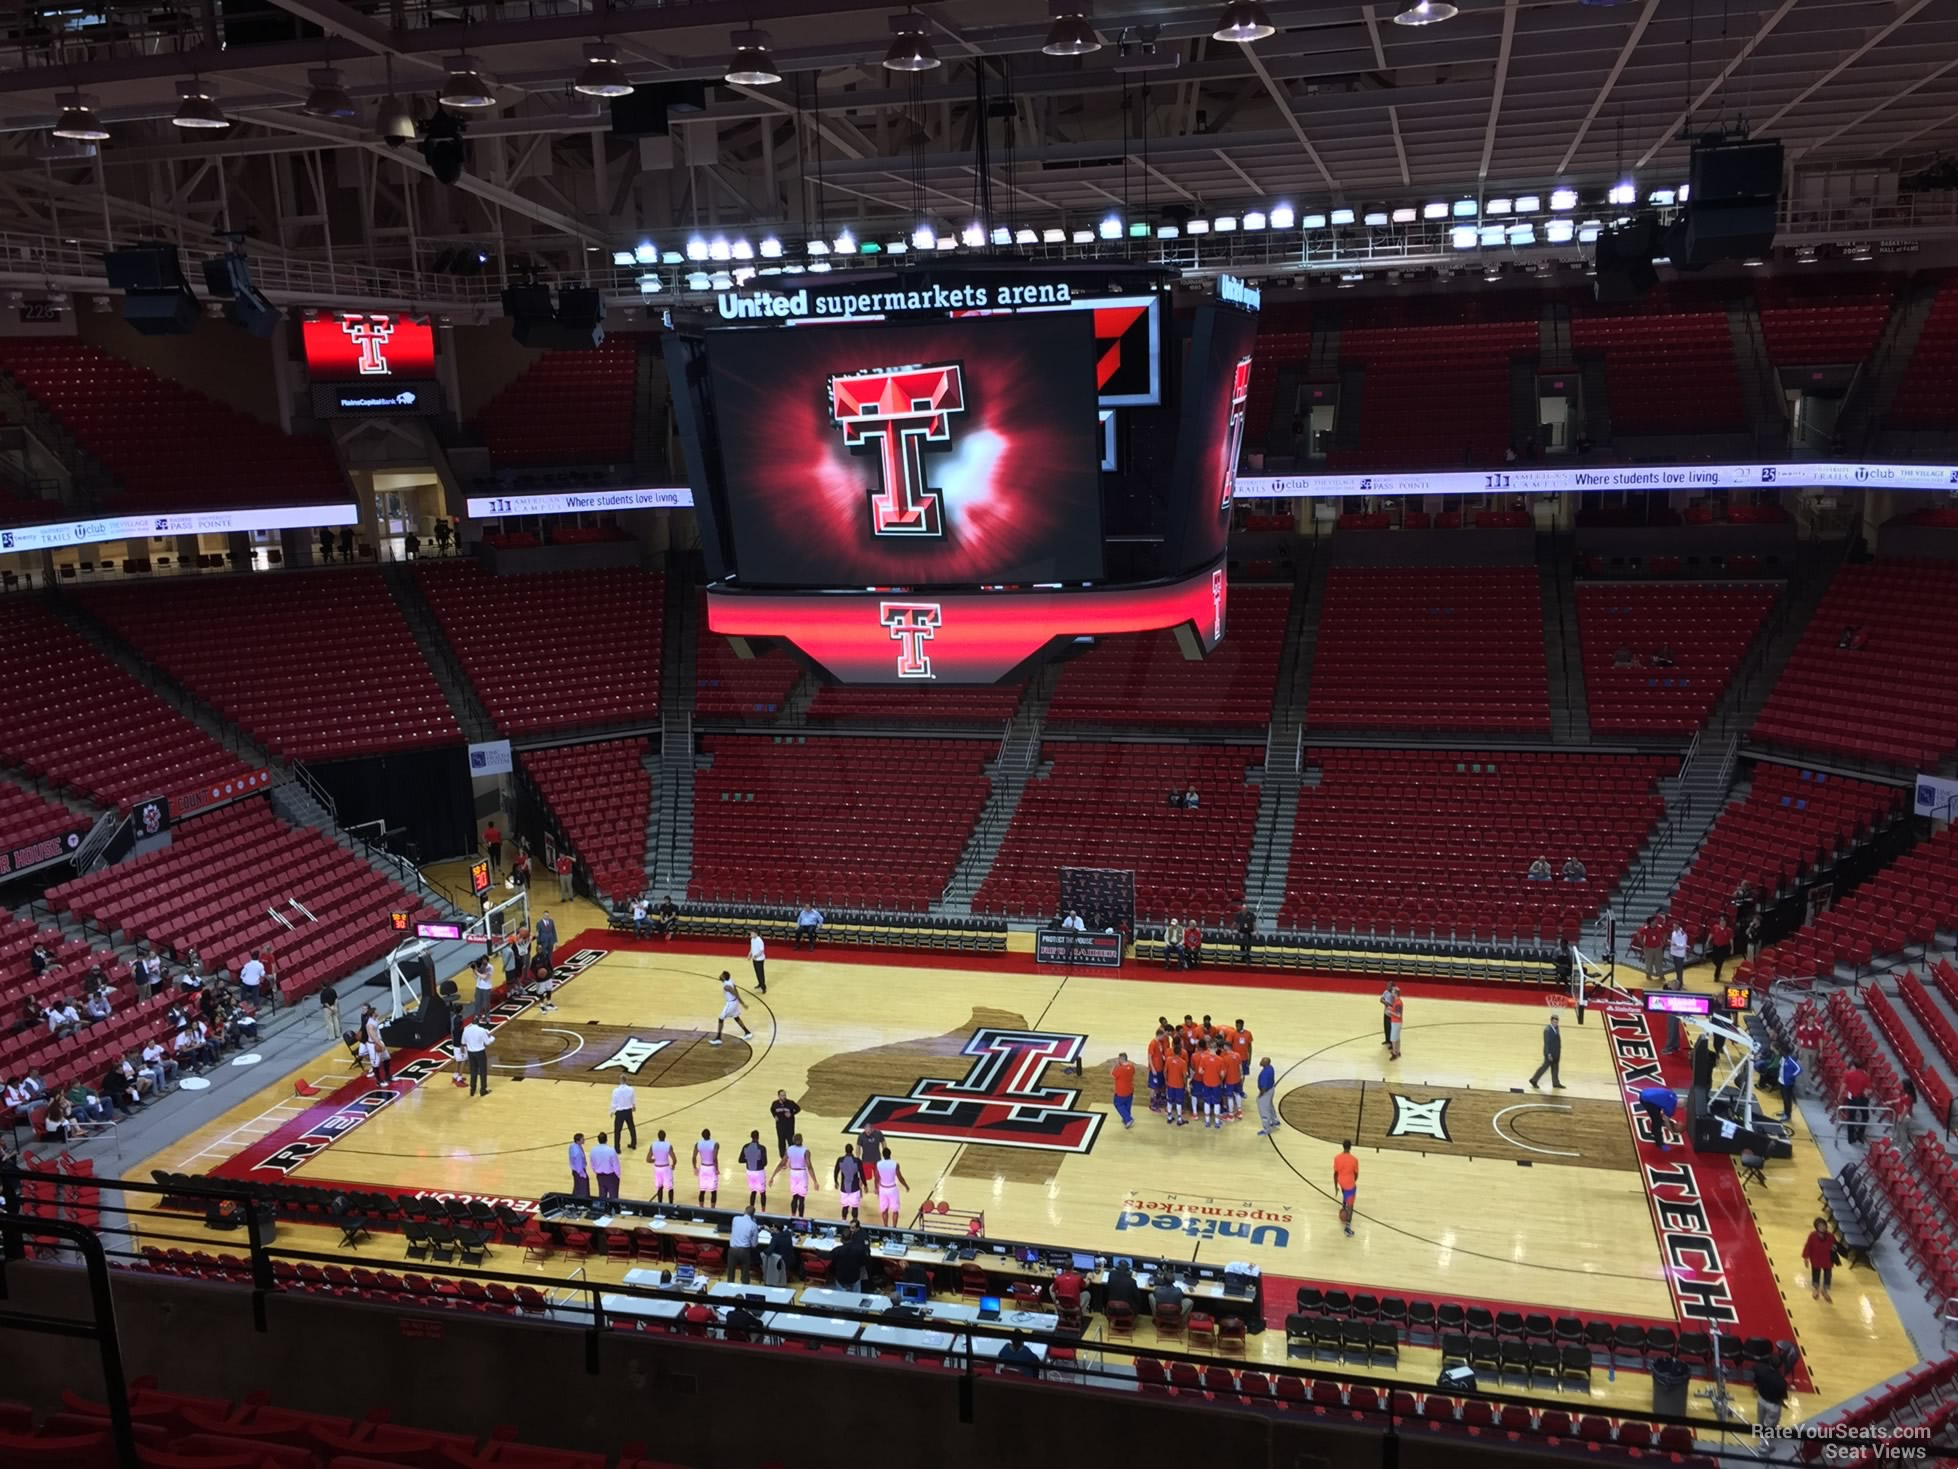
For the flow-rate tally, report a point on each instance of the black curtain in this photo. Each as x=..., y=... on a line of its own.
x=426, y=793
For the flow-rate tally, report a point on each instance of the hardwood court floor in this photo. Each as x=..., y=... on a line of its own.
x=1471, y=1186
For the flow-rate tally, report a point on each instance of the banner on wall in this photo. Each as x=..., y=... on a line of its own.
x=38, y=854
x=1937, y=797
x=150, y=818
x=492, y=757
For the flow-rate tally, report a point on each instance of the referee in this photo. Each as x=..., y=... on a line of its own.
x=475, y=1048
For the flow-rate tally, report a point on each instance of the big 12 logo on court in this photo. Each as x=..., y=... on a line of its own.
x=900, y=410
x=1002, y=1101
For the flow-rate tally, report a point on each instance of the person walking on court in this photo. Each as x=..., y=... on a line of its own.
x=580, y=1168
x=1267, y=1098
x=1121, y=1078
x=1394, y=1013
x=848, y=1178
x=1346, y=1179
x=660, y=1155
x=754, y=1159
x=784, y=1112
x=1676, y=947
x=890, y=1179
x=543, y=941
x=1819, y=1254
x=1553, y=1055
x=730, y=1010
x=707, y=1168
x=475, y=1050
x=605, y=1166
x=624, y=1099
x=795, y=1158
x=1389, y=1002
x=758, y=956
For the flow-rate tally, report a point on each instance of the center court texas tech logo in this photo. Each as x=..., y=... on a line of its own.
x=1002, y=1101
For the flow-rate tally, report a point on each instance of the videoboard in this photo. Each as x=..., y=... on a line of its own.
x=378, y=363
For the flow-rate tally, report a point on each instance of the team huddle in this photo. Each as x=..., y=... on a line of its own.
x=1199, y=1068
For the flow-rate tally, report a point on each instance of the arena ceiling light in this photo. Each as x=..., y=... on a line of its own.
x=1244, y=21
x=1405, y=216
x=1282, y=217
x=1224, y=223
x=1559, y=231
x=1528, y=203
x=646, y=254
x=696, y=248
x=1111, y=227
x=910, y=46
x=1053, y=236
x=1465, y=209
x=328, y=95
x=78, y=121
x=817, y=247
x=1426, y=13
x=1563, y=198
x=973, y=236
x=1497, y=206
x=1254, y=219
x=922, y=238
x=603, y=76
x=1342, y=216
x=1084, y=237
x=719, y=249
x=742, y=250
x=394, y=124
x=465, y=85
x=1625, y=192
x=626, y=257
x=1196, y=227
x=1462, y=237
x=752, y=65
x=198, y=107
x=1167, y=232
x=1315, y=221
x=771, y=248
x=1025, y=236
x=1003, y=234
x=845, y=243
x=1433, y=210
x=1376, y=219
x=650, y=284
x=1072, y=33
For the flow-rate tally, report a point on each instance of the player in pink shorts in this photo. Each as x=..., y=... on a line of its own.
x=707, y=1168
x=795, y=1158
x=660, y=1155
x=848, y=1178
x=754, y=1158
x=890, y=1178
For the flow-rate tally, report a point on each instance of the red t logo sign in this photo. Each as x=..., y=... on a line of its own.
x=370, y=334
x=1234, y=435
x=1003, y=1100
x=1217, y=605
x=912, y=625
x=902, y=409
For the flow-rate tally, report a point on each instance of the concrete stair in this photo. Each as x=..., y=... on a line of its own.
x=1563, y=649
x=1271, y=840
x=435, y=651
x=1015, y=765
x=1875, y=388
x=670, y=835
x=1767, y=411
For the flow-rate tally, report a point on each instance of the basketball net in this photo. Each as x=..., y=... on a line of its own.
x=1591, y=985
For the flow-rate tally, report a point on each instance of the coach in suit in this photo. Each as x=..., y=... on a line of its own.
x=1553, y=1053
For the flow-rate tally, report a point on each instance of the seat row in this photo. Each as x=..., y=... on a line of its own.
x=567, y=408
x=1903, y=905
x=1657, y=657
x=601, y=795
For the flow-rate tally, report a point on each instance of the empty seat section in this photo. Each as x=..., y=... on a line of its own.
x=601, y=795
x=848, y=823
x=1657, y=657
x=75, y=719
x=1883, y=644
x=1450, y=647
x=991, y=704
x=218, y=885
x=1904, y=904
x=1790, y=821
x=1437, y=381
x=566, y=408
x=1669, y=362
x=557, y=650
x=1929, y=385
x=727, y=687
x=1107, y=805
x=1143, y=678
x=1427, y=843
x=313, y=665
x=1809, y=323
x=170, y=447
x=1284, y=340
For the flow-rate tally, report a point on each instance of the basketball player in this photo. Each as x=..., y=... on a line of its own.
x=795, y=1158
x=707, y=1168
x=1242, y=1045
x=1158, y=1053
x=1233, y=1084
x=754, y=1158
x=1123, y=1079
x=1346, y=1178
x=848, y=1178
x=1209, y=1067
x=730, y=1010
x=1176, y=1071
x=1394, y=1012
x=660, y=1155
x=890, y=1179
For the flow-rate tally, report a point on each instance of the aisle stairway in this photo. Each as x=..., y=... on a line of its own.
x=1016, y=765
x=441, y=659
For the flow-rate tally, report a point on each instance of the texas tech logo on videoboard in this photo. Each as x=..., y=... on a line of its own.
x=898, y=411
x=370, y=334
x=1234, y=436
x=1002, y=1101
x=912, y=625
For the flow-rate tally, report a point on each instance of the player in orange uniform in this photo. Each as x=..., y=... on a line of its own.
x=1209, y=1067
x=1176, y=1072
x=1158, y=1053
x=1123, y=1077
x=1346, y=1178
x=1233, y=1084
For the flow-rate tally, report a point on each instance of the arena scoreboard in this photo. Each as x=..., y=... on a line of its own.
x=941, y=475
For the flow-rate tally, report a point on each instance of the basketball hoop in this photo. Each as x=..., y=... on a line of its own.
x=1558, y=1000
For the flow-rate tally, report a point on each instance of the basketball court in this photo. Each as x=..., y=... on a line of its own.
x=1473, y=1186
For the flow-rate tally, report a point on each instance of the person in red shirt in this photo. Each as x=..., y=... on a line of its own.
x=563, y=867
x=1855, y=1099
x=1192, y=946
x=1068, y=1288
x=1122, y=1076
x=1209, y=1066
x=1819, y=1254
x=1176, y=1071
x=493, y=847
x=1720, y=945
